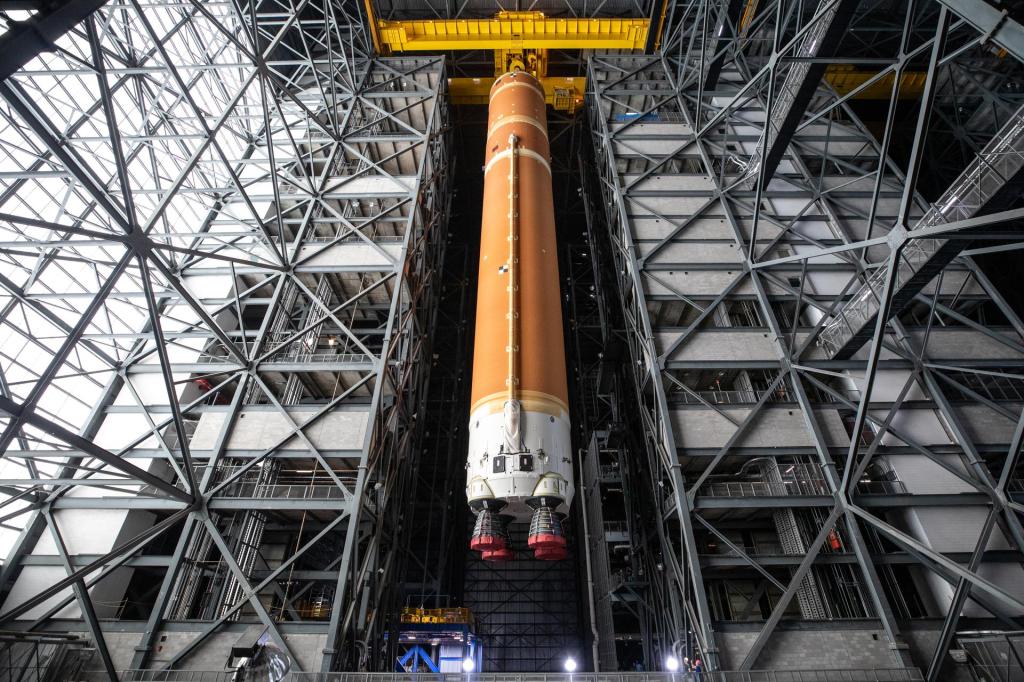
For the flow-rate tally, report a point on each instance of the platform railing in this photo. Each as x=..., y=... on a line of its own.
x=837, y=675
x=999, y=162
x=812, y=486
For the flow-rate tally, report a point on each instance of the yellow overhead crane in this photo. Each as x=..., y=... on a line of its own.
x=513, y=32
x=521, y=40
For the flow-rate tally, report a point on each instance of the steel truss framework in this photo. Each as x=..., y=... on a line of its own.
x=431, y=572
x=220, y=225
x=618, y=526
x=704, y=232
x=438, y=521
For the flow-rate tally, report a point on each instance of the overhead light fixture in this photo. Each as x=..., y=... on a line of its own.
x=672, y=664
x=570, y=665
x=468, y=665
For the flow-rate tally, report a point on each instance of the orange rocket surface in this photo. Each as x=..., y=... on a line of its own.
x=519, y=462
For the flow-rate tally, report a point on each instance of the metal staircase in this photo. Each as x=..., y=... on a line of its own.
x=792, y=543
x=600, y=571
x=991, y=183
x=819, y=42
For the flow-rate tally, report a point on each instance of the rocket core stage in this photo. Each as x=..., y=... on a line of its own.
x=519, y=464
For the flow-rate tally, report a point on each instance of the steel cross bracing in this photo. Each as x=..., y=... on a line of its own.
x=430, y=573
x=220, y=225
x=901, y=455
x=976, y=87
x=594, y=411
x=525, y=610
x=628, y=603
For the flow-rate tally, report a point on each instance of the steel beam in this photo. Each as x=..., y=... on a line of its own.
x=140, y=190
x=26, y=40
x=994, y=24
x=820, y=42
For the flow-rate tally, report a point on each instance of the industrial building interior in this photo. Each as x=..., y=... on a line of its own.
x=240, y=340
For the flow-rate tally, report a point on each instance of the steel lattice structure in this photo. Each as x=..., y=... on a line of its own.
x=220, y=226
x=801, y=318
x=225, y=227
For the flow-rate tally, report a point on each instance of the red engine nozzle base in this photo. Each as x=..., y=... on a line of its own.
x=487, y=543
x=547, y=539
x=551, y=553
x=503, y=554
x=488, y=534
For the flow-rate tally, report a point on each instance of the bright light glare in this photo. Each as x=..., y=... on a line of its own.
x=468, y=665
x=570, y=665
x=671, y=664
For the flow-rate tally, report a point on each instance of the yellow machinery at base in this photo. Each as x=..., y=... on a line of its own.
x=563, y=93
x=450, y=616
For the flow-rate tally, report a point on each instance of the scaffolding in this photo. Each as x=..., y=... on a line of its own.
x=221, y=226
x=743, y=215
x=221, y=397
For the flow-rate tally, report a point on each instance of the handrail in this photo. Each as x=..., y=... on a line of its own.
x=818, y=675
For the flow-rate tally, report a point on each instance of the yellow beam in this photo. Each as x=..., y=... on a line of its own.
x=374, y=35
x=661, y=25
x=847, y=78
x=514, y=33
x=748, y=15
x=562, y=93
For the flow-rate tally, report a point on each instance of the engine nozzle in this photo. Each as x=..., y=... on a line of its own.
x=547, y=539
x=488, y=535
x=505, y=554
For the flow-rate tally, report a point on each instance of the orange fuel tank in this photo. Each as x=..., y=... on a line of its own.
x=520, y=456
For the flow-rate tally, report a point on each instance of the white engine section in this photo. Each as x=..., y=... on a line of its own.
x=517, y=454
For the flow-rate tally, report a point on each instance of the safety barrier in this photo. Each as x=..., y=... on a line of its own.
x=839, y=675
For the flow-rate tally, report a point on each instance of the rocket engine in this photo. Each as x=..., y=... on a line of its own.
x=519, y=464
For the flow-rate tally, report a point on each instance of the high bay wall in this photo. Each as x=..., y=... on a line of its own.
x=225, y=234
x=835, y=484
x=221, y=231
